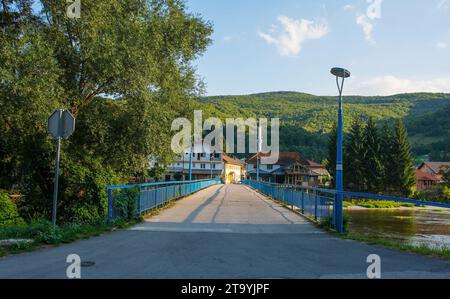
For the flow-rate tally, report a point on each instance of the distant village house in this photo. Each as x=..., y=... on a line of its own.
x=291, y=168
x=429, y=174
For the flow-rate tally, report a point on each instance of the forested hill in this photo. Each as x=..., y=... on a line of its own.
x=306, y=119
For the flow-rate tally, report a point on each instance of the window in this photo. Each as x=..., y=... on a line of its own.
x=269, y=167
x=203, y=166
x=213, y=166
x=217, y=156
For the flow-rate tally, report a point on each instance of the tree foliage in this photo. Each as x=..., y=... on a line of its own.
x=124, y=69
x=376, y=159
x=354, y=157
x=404, y=177
x=306, y=120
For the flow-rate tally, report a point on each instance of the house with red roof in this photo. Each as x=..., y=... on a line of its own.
x=425, y=180
x=291, y=168
x=430, y=174
x=435, y=168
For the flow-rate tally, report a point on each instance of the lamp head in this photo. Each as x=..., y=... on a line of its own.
x=340, y=72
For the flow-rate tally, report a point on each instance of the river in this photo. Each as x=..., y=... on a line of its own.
x=415, y=226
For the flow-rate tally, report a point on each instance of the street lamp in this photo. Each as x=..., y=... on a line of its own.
x=211, y=155
x=339, y=73
x=190, y=164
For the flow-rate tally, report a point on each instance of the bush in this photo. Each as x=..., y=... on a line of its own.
x=327, y=222
x=125, y=203
x=8, y=211
x=85, y=199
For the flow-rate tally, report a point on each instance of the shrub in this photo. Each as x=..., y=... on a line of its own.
x=125, y=203
x=327, y=222
x=8, y=211
x=85, y=199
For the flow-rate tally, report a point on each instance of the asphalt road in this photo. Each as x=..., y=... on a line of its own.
x=222, y=232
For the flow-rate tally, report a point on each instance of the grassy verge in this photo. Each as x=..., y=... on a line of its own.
x=44, y=234
x=440, y=252
x=378, y=204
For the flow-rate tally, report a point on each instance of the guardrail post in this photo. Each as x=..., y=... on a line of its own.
x=334, y=210
x=139, y=203
x=315, y=205
x=303, y=201
x=109, y=206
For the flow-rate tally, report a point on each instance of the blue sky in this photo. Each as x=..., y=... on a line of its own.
x=390, y=46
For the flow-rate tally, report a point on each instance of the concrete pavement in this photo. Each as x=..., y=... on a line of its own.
x=222, y=232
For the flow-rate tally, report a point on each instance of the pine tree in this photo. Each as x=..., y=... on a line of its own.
x=373, y=170
x=331, y=160
x=387, y=154
x=403, y=173
x=354, y=157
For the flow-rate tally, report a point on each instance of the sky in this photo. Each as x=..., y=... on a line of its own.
x=390, y=46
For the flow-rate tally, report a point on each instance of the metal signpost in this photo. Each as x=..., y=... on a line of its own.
x=61, y=124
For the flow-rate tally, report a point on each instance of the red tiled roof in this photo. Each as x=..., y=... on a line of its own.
x=423, y=176
x=313, y=164
x=436, y=167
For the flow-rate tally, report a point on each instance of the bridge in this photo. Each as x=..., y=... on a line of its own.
x=220, y=231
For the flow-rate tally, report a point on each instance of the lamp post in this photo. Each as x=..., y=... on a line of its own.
x=190, y=165
x=211, y=164
x=339, y=73
x=259, y=139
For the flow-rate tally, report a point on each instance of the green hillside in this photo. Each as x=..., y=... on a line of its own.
x=306, y=119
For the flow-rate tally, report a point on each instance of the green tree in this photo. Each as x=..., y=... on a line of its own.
x=403, y=172
x=354, y=161
x=373, y=166
x=124, y=69
x=387, y=154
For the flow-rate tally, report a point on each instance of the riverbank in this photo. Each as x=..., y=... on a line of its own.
x=385, y=204
x=440, y=252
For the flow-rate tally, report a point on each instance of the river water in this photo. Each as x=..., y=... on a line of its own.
x=417, y=227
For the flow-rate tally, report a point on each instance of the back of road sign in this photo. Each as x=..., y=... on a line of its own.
x=61, y=124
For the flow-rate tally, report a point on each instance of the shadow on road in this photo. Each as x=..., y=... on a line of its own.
x=191, y=217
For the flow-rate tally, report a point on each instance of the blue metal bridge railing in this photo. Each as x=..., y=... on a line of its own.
x=313, y=202
x=149, y=196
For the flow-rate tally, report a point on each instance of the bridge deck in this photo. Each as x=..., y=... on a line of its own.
x=228, y=208
x=222, y=232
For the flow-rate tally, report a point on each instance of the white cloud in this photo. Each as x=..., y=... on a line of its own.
x=349, y=7
x=441, y=45
x=367, y=27
x=390, y=85
x=443, y=4
x=296, y=32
